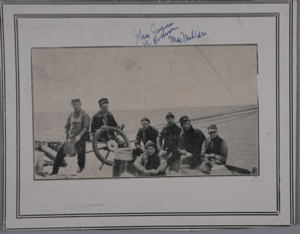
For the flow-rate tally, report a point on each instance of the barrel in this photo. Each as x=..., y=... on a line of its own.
x=123, y=154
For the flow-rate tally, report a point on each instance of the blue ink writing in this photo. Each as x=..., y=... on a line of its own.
x=169, y=31
x=183, y=38
x=140, y=36
x=162, y=32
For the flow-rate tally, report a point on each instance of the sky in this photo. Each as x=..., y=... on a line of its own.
x=144, y=77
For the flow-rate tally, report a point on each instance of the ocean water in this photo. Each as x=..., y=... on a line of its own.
x=238, y=129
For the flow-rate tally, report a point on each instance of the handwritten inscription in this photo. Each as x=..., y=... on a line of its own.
x=169, y=32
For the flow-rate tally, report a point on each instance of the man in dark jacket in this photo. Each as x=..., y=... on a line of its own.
x=191, y=140
x=146, y=133
x=167, y=143
x=214, y=150
x=103, y=117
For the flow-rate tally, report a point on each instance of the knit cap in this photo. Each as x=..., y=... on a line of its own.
x=150, y=143
x=145, y=119
x=170, y=114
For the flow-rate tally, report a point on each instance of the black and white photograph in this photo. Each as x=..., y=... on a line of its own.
x=145, y=111
x=148, y=115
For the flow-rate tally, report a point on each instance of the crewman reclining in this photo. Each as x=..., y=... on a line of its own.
x=149, y=163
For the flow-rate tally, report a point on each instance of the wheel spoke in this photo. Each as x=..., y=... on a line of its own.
x=100, y=138
x=108, y=152
x=103, y=147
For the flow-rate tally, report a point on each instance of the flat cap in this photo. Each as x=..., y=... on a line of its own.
x=170, y=114
x=102, y=101
x=184, y=119
x=75, y=100
x=212, y=128
x=145, y=119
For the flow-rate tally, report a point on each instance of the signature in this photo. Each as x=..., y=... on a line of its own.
x=168, y=31
x=140, y=36
x=184, y=37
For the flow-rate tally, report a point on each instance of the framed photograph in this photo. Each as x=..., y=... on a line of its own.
x=148, y=115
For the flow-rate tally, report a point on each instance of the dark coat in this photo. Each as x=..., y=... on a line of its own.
x=192, y=140
x=145, y=135
x=215, y=146
x=97, y=121
x=146, y=162
x=170, y=135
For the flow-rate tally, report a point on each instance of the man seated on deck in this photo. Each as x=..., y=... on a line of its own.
x=149, y=163
x=215, y=152
x=191, y=140
x=167, y=143
x=145, y=134
x=76, y=130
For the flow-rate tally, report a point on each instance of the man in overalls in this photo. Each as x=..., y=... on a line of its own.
x=76, y=130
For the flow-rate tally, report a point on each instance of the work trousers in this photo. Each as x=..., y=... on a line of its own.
x=80, y=150
x=172, y=159
x=193, y=161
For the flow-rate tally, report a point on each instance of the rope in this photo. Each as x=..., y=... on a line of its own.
x=203, y=118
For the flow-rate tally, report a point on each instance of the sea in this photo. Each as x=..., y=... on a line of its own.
x=237, y=125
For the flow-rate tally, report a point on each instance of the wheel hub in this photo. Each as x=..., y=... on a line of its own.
x=112, y=145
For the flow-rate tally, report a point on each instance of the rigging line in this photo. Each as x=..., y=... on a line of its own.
x=201, y=121
x=227, y=120
x=230, y=119
x=232, y=116
x=236, y=111
x=202, y=118
x=221, y=122
x=224, y=116
x=198, y=119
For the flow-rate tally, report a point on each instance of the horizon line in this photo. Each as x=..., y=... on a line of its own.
x=153, y=108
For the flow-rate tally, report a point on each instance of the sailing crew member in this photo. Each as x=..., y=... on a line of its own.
x=103, y=117
x=146, y=133
x=167, y=143
x=214, y=150
x=106, y=118
x=149, y=163
x=191, y=140
x=76, y=130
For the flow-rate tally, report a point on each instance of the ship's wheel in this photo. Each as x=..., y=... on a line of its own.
x=106, y=140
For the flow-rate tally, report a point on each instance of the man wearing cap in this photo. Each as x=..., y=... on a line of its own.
x=191, y=140
x=167, y=143
x=145, y=134
x=214, y=149
x=103, y=117
x=150, y=163
x=76, y=130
